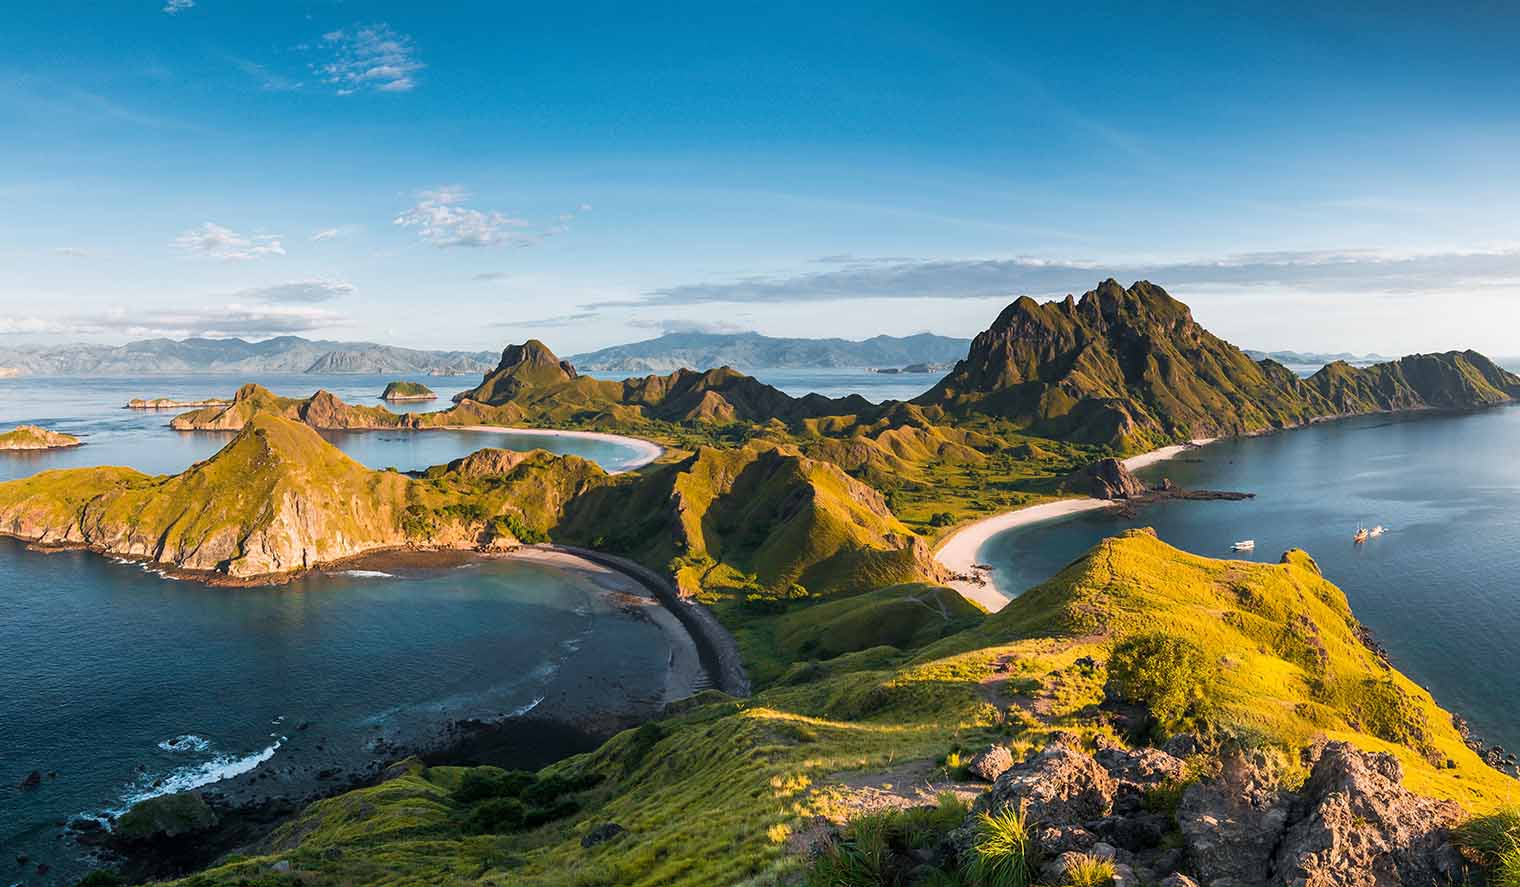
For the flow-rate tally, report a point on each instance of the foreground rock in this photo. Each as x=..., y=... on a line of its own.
x=1106, y=479
x=32, y=437
x=1352, y=824
x=165, y=817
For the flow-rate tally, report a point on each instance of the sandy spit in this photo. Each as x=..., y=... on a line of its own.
x=959, y=552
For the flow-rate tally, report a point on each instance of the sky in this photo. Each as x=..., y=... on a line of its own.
x=465, y=175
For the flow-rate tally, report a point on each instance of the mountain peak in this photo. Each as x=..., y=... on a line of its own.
x=529, y=365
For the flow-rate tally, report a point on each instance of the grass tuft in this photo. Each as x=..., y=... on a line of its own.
x=1002, y=851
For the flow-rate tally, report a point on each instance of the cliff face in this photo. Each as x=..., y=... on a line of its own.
x=1131, y=368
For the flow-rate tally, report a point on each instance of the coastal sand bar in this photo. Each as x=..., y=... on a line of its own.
x=959, y=552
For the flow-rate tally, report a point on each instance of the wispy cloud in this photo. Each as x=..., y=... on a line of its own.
x=217, y=242
x=175, y=7
x=325, y=234
x=273, y=81
x=670, y=326
x=306, y=291
x=72, y=252
x=249, y=321
x=369, y=57
x=442, y=220
x=1317, y=271
x=549, y=322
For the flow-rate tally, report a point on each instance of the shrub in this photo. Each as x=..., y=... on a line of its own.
x=496, y=815
x=1495, y=841
x=1169, y=674
x=1089, y=871
x=102, y=878
x=488, y=782
x=941, y=519
x=1002, y=850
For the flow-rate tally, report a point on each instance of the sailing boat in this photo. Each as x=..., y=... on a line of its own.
x=1362, y=535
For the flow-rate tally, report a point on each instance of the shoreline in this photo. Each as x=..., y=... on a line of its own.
x=958, y=552
x=647, y=450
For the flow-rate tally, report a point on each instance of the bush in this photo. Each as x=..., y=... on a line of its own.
x=941, y=519
x=102, y=878
x=1169, y=674
x=1089, y=871
x=1002, y=850
x=875, y=849
x=496, y=815
x=1495, y=841
x=488, y=782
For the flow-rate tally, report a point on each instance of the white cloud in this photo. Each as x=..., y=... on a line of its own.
x=175, y=7
x=442, y=221
x=217, y=242
x=372, y=57
x=306, y=291
x=72, y=252
x=326, y=234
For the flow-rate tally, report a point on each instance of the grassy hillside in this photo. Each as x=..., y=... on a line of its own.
x=32, y=437
x=725, y=791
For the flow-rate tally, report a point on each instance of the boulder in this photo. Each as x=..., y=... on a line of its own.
x=1232, y=824
x=990, y=763
x=601, y=834
x=1177, y=879
x=1057, y=786
x=1106, y=479
x=1354, y=823
x=166, y=816
x=32, y=779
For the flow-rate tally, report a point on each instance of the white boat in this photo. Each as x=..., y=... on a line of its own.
x=1362, y=535
x=1377, y=530
x=1244, y=545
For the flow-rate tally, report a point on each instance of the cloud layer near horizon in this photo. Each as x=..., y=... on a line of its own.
x=1329, y=272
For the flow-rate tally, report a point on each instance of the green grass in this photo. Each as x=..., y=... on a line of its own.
x=1003, y=852
x=1089, y=871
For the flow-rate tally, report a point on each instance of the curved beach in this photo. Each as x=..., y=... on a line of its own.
x=648, y=451
x=958, y=553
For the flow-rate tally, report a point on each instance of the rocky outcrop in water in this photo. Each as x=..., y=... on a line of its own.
x=1106, y=479
x=32, y=437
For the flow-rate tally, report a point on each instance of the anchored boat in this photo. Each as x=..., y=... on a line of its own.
x=1244, y=545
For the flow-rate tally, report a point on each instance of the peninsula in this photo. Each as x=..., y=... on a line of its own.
x=167, y=403
x=32, y=437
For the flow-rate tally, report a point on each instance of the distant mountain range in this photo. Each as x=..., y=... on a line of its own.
x=286, y=354
x=1313, y=358
x=751, y=351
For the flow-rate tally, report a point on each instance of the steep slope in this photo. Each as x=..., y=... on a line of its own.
x=1130, y=368
x=752, y=523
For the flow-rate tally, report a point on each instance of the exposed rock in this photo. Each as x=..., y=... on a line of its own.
x=1177, y=879
x=601, y=834
x=1356, y=824
x=1232, y=823
x=1182, y=745
x=166, y=816
x=32, y=779
x=990, y=763
x=1058, y=785
x=1106, y=479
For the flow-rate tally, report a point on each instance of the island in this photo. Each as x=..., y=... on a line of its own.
x=166, y=403
x=32, y=437
x=1146, y=716
x=407, y=391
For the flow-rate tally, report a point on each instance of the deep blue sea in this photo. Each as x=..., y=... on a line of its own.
x=1440, y=590
x=128, y=684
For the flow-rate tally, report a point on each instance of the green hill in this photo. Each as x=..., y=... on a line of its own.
x=1131, y=369
x=407, y=391
x=32, y=437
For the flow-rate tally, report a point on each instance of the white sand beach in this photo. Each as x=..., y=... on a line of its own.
x=648, y=451
x=959, y=552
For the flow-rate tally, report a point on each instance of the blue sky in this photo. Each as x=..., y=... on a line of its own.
x=469, y=174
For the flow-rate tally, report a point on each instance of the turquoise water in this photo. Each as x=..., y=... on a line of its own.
x=92, y=410
x=1441, y=590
